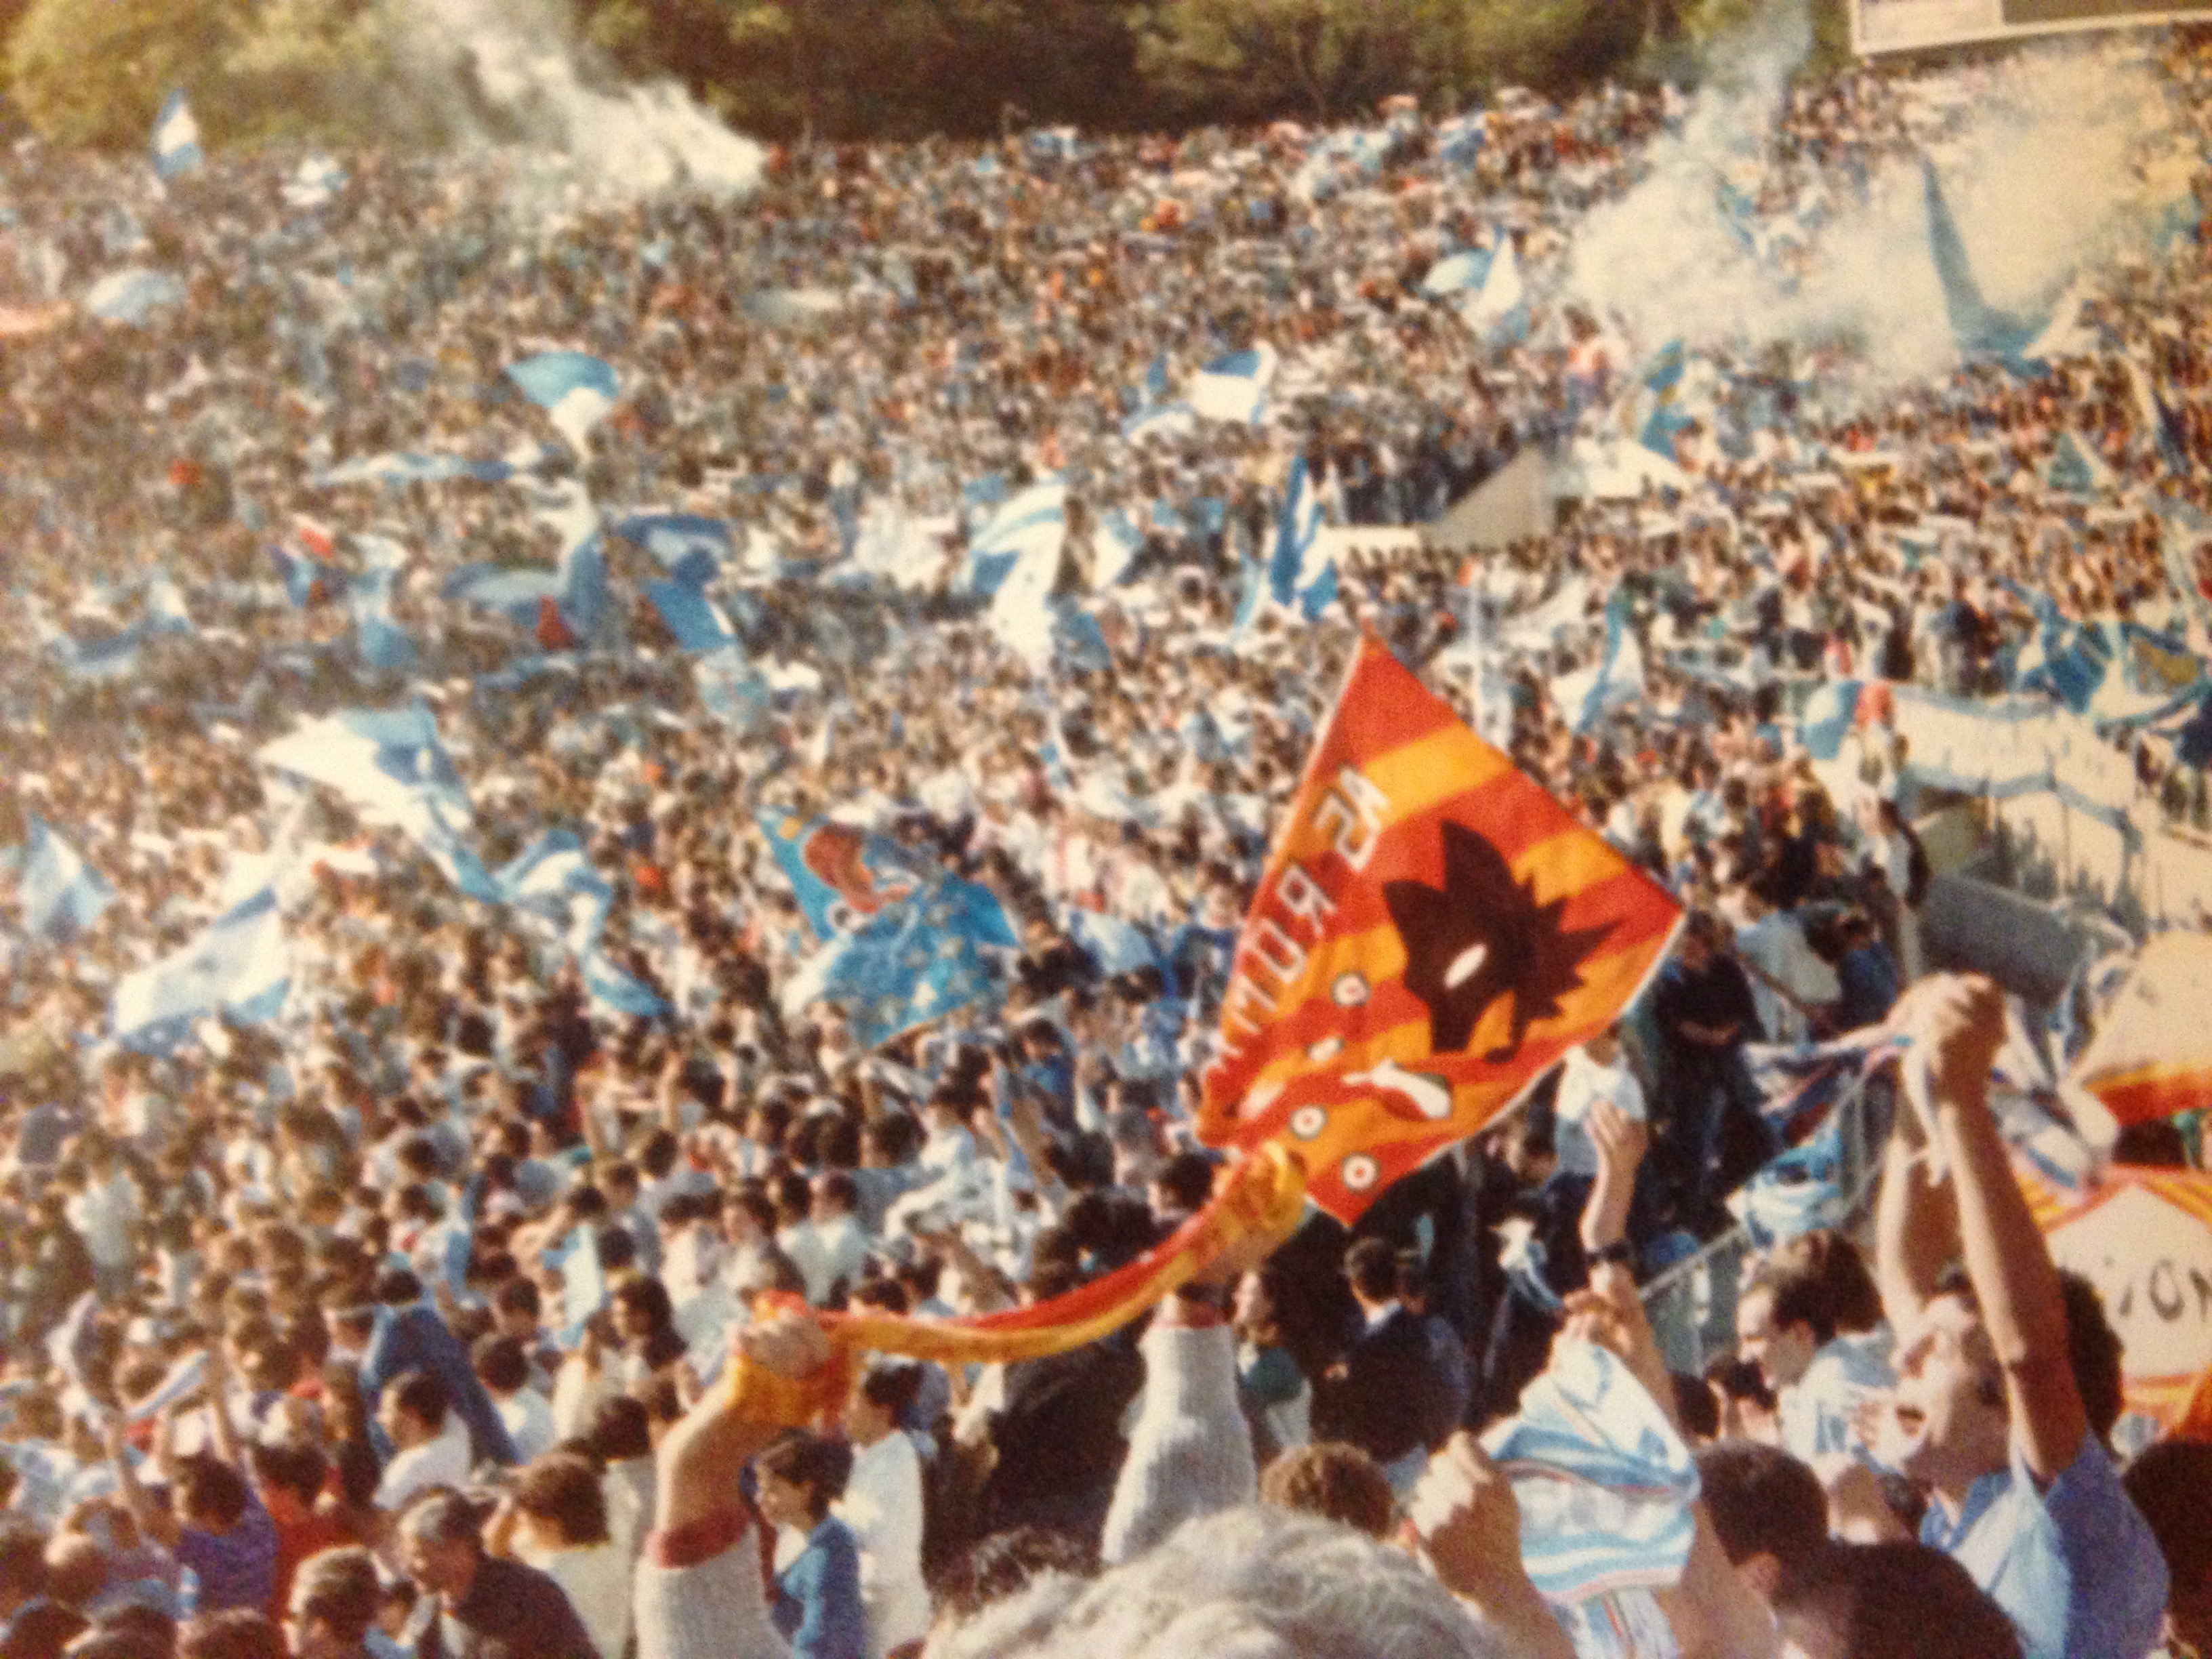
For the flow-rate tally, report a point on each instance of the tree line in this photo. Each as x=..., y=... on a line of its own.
x=82, y=74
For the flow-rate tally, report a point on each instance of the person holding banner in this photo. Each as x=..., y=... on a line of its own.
x=1994, y=1362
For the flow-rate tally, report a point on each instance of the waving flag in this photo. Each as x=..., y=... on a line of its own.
x=2152, y=1055
x=692, y=549
x=239, y=965
x=1500, y=308
x=377, y=633
x=406, y=467
x=1114, y=946
x=1827, y=717
x=2077, y=468
x=176, y=141
x=1605, y=1485
x=695, y=621
x=1433, y=931
x=912, y=964
x=1980, y=330
x=840, y=876
x=573, y=388
x=388, y=763
x=2143, y=1237
x=731, y=688
x=62, y=895
x=1651, y=411
x=1796, y=1191
x=1235, y=387
x=1028, y=530
x=516, y=592
x=1301, y=570
x=1588, y=694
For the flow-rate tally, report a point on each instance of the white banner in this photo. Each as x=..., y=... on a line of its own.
x=1879, y=25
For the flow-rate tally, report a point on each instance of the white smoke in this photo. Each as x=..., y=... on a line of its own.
x=2036, y=154
x=509, y=72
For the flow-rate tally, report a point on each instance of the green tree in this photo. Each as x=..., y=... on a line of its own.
x=1321, y=59
x=97, y=74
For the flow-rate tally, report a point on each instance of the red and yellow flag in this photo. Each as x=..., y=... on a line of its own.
x=1432, y=932
x=2151, y=1055
x=2143, y=1238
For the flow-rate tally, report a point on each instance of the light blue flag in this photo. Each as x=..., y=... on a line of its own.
x=240, y=966
x=1163, y=421
x=516, y=593
x=1115, y=946
x=1827, y=717
x=1606, y=1487
x=383, y=644
x=133, y=295
x=1030, y=527
x=1797, y=1192
x=2077, y=469
x=176, y=140
x=586, y=605
x=547, y=877
x=396, y=471
x=913, y=963
x=732, y=689
x=62, y=895
x=841, y=876
x=692, y=549
x=613, y=990
x=1235, y=387
x=1981, y=330
x=104, y=657
x=695, y=620
x=1078, y=641
x=1616, y=680
x=388, y=763
x=573, y=388
x=1117, y=545
x=1298, y=571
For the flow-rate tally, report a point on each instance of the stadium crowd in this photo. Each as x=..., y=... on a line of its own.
x=464, y=1241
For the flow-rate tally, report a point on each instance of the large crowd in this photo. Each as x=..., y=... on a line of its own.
x=424, y=1314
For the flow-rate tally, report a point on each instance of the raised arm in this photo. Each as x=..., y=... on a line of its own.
x=1916, y=1226
x=154, y=1521
x=218, y=1407
x=1958, y=1022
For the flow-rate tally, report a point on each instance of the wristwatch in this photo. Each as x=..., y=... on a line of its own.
x=1620, y=1250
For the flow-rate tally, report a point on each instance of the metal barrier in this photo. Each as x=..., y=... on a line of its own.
x=1691, y=1305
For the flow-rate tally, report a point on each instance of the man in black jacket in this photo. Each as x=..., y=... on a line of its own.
x=1386, y=1395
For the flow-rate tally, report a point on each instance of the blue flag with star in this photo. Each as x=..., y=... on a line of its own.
x=917, y=962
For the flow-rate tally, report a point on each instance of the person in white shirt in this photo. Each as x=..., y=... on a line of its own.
x=1594, y=1074
x=1809, y=1317
x=555, y=1520
x=431, y=1443
x=503, y=1368
x=883, y=1506
x=837, y=1230
x=1788, y=978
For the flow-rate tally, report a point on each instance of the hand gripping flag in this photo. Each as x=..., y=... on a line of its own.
x=1433, y=931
